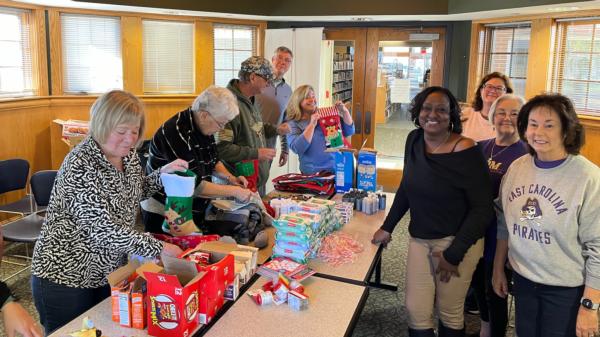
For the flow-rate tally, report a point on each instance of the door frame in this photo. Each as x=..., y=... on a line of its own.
x=374, y=36
x=359, y=36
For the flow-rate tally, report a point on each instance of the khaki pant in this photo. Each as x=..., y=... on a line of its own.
x=424, y=288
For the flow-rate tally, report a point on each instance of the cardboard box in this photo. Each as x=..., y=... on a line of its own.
x=233, y=290
x=366, y=178
x=218, y=276
x=73, y=131
x=128, y=295
x=344, y=170
x=240, y=252
x=174, y=298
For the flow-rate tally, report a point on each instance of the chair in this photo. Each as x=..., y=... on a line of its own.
x=13, y=177
x=27, y=229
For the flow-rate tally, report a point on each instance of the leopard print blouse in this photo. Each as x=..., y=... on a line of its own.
x=89, y=226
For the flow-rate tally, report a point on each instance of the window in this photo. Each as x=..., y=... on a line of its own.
x=91, y=53
x=15, y=58
x=505, y=48
x=168, y=57
x=232, y=45
x=576, y=63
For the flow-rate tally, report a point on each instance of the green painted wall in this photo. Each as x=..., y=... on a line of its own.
x=336, y=7
x=466, y=6
x=457, y=58
x=297, y=8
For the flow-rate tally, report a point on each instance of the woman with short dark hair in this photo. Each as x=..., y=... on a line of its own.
x=549, y=225
x=447, y=188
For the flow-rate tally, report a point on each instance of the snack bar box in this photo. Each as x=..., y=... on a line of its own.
x=174, y=298
x=219, y=274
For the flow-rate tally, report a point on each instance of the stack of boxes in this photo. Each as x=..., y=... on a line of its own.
x=299, y=233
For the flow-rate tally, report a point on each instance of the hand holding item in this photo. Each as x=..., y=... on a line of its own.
x=283, y=158
x=242, y=194
x=171, y=249
x=314, y=118
x=238, y=181
x=445, y=268
x=283, y=129
x=344, y=112
x=265, y=153
x=381, y=237
x=17, y=319
x=177, y=165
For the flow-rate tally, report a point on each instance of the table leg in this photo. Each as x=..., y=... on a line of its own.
x=378, y=283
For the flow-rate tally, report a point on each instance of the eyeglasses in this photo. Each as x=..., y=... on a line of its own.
x=493, y=88
x=221, y=125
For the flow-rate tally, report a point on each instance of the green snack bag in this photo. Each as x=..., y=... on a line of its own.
x=179, y=188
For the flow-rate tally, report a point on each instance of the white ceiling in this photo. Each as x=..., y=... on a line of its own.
x=572, y=6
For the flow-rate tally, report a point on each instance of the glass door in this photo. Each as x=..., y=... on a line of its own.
x=402, y=71
x=400, y=63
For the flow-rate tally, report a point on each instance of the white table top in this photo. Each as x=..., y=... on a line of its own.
x=332, y=306
x=361, y=227
x=101, y=314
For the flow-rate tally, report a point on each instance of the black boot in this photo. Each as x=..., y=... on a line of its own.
x=421, y=333
x=447, y=332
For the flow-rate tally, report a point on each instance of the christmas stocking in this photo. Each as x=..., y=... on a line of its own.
x=179, y=188
x=248, y=169
x=332, y=128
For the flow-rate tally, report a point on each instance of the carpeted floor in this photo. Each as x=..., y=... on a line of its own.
x=383, y=315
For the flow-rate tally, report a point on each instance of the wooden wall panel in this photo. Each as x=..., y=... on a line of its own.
x=538, y=62
x=56, y=73
x=389, y=180
x=133, y=69
x=204, y=56
x=25, y=133
x=592, y=139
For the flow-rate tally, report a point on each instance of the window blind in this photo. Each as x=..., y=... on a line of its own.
x=232, y=45
x=91, y=53
x=168, y=57
x=15, y=58
x=576, y=63
x=505, y=48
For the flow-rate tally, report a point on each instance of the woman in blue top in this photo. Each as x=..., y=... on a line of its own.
x=305, y=138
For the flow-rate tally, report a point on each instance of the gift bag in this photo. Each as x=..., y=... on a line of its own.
x=331, y=126
x=179, y=188
x=248, y=169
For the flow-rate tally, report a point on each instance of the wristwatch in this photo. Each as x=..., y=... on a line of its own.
x=588, y=304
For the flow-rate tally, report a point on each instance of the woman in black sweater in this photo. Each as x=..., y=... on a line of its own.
x=446, y=186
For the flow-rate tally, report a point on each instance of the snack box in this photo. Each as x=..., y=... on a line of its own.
x=366, y=178
x=174, y=298
x=128, y=294
x=219, y=273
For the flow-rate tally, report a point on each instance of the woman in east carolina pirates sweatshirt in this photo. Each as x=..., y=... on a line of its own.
x=549, y=200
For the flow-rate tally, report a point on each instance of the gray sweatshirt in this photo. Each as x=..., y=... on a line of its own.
x=551, y=219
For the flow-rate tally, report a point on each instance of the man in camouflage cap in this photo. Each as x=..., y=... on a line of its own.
x=244, y=137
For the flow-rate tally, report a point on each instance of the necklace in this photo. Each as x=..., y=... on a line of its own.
x=442, y=143
x=499, y=152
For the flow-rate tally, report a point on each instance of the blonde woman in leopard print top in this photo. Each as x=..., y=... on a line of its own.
x=89, y=226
